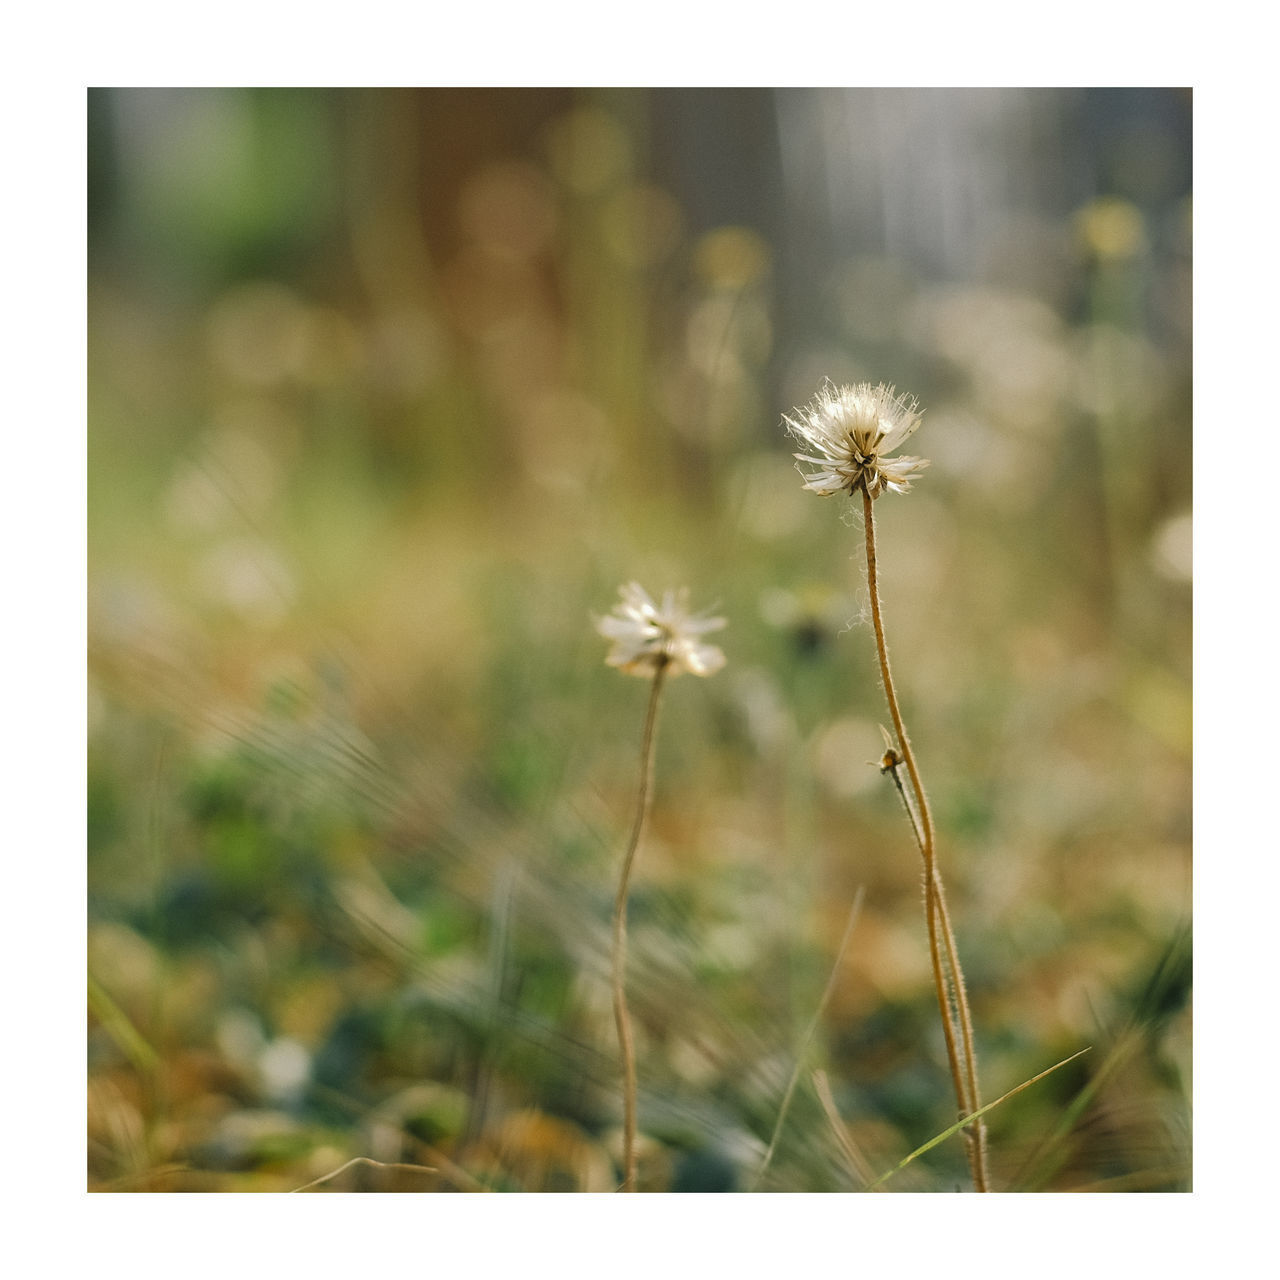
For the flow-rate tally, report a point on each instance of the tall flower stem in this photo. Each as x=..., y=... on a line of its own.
x=620, y=1013
x=964, y=1074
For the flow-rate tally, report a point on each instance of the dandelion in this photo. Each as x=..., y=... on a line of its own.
x=647, y=637
x=852, y=430
x=654, y=642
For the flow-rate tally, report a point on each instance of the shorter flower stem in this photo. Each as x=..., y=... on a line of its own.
x=620, y=1013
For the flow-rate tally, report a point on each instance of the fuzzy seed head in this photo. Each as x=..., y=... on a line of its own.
x=647, y=637
x=850, y=432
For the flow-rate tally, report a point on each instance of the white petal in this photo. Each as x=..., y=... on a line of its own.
x=697, y=626
x=899, y=433
x=637, y=600
x=825, y=483
x=625, y=629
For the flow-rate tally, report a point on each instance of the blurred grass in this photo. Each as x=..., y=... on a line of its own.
x=388, y=392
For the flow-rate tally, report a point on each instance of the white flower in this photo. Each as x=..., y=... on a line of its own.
x=646, y=637
x=851, y=430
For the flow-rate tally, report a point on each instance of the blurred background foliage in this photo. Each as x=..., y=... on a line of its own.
x=389, y=391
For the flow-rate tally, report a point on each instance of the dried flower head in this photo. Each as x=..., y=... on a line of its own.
x=647, y=637
x=851, y=430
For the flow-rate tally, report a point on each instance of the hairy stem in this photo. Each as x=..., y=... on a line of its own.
x=958, y=992
x=964, y=1077
x=621, y=1016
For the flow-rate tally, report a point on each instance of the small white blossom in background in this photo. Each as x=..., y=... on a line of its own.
x=851, y=430
x=647, y=636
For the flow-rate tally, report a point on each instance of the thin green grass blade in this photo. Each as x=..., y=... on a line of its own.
x=1054, y=1151
x=1171, y=976
x=960, y=1124
x=803, y=1048
x=117, y=1025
